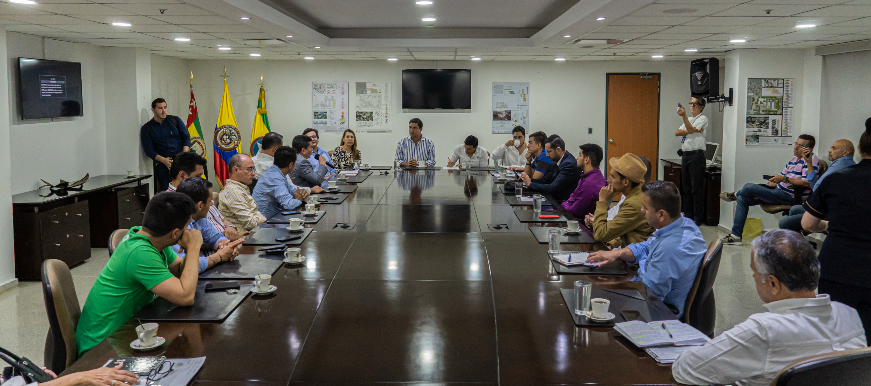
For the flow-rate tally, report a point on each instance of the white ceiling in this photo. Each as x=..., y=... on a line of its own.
x=513, y=30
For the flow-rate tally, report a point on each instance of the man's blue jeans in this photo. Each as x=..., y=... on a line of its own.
x=793, y=221
x=755, y=194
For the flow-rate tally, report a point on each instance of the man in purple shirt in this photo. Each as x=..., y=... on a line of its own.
x=583, y=200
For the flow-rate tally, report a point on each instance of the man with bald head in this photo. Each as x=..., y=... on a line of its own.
x=841, y=156
x=236, y=203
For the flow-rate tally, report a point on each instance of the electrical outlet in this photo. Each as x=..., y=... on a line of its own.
x=590, y=130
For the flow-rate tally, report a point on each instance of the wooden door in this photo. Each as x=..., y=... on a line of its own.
x=632, y=125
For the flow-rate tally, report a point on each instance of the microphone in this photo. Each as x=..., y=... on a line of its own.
x=318, y=157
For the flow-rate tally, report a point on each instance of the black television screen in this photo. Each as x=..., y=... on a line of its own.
x=49, y=88
x=437, y=89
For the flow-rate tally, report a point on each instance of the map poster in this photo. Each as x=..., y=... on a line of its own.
x=769, y=119
x=330, y=106
x=372, y=107
x=510, y=106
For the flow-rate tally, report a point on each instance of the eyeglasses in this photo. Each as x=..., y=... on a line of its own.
x=250, y=170
x=695, y=104
x=804, y=146
x=313, y=136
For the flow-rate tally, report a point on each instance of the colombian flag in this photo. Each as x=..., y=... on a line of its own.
x=227, y=137
x=196, y=132
x=261, y=124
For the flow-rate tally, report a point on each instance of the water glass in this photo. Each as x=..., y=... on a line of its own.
x=518, y=192
x=583, y=293
x=553, y=237
x=536, y=203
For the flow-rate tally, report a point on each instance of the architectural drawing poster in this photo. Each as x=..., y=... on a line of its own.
x=770, y=111
x=330, y=106
x=372, y=107
x=510, y=107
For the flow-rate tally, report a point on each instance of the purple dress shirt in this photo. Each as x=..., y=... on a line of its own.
x=583, y=199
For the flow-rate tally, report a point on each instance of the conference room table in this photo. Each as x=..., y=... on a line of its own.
x=422, y=289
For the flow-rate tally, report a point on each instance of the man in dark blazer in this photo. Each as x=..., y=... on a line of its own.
x=567, y=173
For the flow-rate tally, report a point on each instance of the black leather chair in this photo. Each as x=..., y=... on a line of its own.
x=115, y=239
x=62, y=307
x=799, y=192
x=842, y=368
x=700, y=308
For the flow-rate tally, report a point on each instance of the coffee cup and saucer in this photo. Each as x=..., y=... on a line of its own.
x=331, y=186
x=310, y=210
x=599, y=310
x=262, y=286
x=295, y=225
x=293, y=256
x=573, y=227
x=148, y=338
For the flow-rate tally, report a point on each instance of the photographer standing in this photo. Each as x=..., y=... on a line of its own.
x=692, y=152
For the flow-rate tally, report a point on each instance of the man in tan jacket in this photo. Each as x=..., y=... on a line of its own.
x=630, y=225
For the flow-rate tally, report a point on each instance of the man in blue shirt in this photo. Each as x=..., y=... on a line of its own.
x=273, y=193
x=841, y=155
x=669, y=260
x=163, y=137
x=307, y=172
x=415, y=150
x=321, y=153
x=538, y=164
x=216, y=248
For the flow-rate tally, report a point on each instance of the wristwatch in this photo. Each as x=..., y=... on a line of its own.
x=233, y=226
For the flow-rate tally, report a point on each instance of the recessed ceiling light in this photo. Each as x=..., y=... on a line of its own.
x=290, y=36
x=392, y=59
x=122, y=24
x=656, y=56
x=254, y=54
x=600, y=18
x=567, y=36
x=182, y=39
x=805, y=25
x=560, y=59
x=317, y=47
x=423, y=2
x=224, y=48
x=476, y=58
x=28, y=2
x=309, y=58
x=691, y=50
x=246, y=18
x=738, y=41
x=428, y=19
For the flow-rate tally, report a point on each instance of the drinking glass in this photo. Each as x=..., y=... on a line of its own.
x=536, y=203
x=518, y=192
x=583, y=292
x=553, y=237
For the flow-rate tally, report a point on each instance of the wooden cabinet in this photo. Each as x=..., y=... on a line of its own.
x=671, y=170
x=120, y=207
x=61, y=233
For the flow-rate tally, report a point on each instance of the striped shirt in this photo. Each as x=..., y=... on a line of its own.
x=797, y=168
x=214, y=216
x=423, y=151
x=237, y=205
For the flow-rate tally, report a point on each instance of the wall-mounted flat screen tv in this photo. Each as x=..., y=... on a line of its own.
x=437, y=89
x=49, y=88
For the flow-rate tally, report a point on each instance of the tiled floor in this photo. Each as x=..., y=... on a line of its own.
x=24, y=325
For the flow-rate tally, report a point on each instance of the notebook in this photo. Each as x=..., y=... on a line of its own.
x=656, y=333
x=573, y=259
x=667, y=354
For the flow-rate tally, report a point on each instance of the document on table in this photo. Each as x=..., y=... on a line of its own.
x=571, y=259
x=349, y=172
x=661, y=333
x=450, y=168
x=667, y=354
x=181, y=373
x=525, y=198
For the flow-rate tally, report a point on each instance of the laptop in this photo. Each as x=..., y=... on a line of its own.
x=711, y=150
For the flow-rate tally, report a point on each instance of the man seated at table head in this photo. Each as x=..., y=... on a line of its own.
x=469, y=154
x=307, y=172
x=841, y=155
x=318, y=152
x=512, y=154
x=798, y=324
x=537, y=162
x=669, y=260
x=235, y=201
x=216, y=248
x=780, y=189
x=142, y=266
x=186, y=165
x=273, y=193
x=566, y=177
x=415, y=150
x=583, y=199
x=629, y=225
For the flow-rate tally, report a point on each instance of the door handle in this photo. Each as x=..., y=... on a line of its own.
x=611, y=141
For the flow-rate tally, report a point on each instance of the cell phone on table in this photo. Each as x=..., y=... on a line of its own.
x=287, y=238
x=630, y=315
x=289, y=212
x=222, y=285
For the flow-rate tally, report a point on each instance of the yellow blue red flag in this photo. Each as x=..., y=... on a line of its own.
x=261, y=124
x=227, y=137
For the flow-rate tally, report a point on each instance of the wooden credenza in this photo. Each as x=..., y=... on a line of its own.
x=672, y=172
x=66, y=227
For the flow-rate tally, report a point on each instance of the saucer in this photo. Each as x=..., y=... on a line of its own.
x=288, y=261
x=310, y=214
x=271, y=289
x=568, y=232
x=159, y=341
x=607, y=317
x=300, y=230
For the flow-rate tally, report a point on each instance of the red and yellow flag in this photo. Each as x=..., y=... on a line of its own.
x=227, y=137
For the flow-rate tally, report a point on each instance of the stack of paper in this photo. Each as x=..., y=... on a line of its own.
x=677, y=337
x=349, y=173
x=667, y=354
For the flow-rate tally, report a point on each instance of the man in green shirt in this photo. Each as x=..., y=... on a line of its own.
x=144, y=265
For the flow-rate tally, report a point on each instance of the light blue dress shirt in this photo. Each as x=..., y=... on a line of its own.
x=836, y=165
x=669, y=260
x=273, y=193
x=211, y=237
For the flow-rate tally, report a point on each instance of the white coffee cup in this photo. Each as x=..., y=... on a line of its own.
x=313, y=200
x=262, y=282
x=295, y=224
x=293, y=254
x=599, y=307
x=310, y=208
x=147, y=334
x=516, y=142
x=131, y=173
x=573, y=226
x=342, y=176
x=331, y=184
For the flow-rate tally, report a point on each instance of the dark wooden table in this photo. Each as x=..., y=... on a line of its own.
x=420, y=291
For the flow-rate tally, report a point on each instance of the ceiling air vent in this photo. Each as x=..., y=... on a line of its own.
x=263, y=42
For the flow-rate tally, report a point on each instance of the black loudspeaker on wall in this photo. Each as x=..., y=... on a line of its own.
x=705, y=77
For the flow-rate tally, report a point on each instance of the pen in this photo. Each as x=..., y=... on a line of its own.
x=667, y=331
x=570, y=257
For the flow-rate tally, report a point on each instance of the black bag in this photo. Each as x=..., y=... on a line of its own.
x=511, y=186
x=22, y=367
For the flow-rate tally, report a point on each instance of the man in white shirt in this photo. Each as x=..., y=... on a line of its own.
x=692, y=159
x=513, y=152
x=469, y=154
x=799, y=323
x=266, y=157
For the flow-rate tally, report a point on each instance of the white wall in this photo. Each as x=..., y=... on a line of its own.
x=566, y=98
x=845, y=96
x=60, y=148
x=7, y=257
